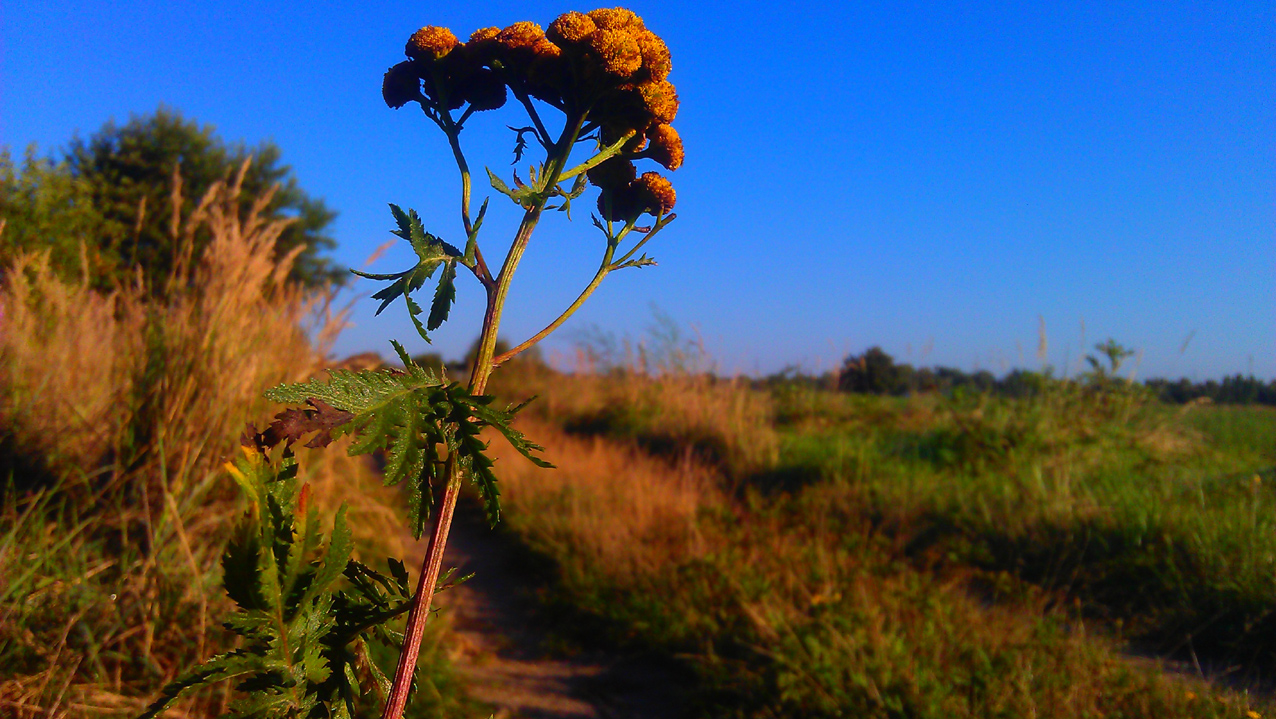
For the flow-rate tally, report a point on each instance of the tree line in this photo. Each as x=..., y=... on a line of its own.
x=105, y=204
x=876, y=372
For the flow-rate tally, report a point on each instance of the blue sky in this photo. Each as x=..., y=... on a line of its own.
x=928, y=177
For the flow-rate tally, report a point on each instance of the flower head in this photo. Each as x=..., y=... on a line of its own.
x=570, y=28
x=520, y=35
x=660, y=99
x=617, y=50
x=481, y=48
x=618, y=204
x=484, y=90
x=431, y=43
x=401, y=85
x=654, y=193
x=656, y=60
x=613, y=173
x=666, y=146
x=636, y=106
x=617, y=18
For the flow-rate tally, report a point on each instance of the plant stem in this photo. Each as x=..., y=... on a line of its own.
x=584, y=295
x=482, y=369
x=420, y=611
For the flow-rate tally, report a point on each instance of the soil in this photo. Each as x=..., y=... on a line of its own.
x=511, y=656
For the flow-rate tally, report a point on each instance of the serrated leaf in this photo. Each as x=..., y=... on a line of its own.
x=498, y=184
x=400, y=575
x=414, y=312
x=340, y=544
x=401, y=219
x=399, y=411
x=372, y=276
x=297, y=631
x=224, y=666
x=501, y=422
x=523, y=195
x=444, y=296
x=239, y=567
x=520, y=143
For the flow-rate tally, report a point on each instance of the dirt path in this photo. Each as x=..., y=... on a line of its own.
x=501, y=645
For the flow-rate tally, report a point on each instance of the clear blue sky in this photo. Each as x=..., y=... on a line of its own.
x=928, y=177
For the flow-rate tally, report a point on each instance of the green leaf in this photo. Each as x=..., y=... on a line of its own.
x=471, y=243
x=371, y=276
x=430, y=251
x=498, y=184
x=525, y=196
x=239, y=567
x=297, y=659
x=224, y=666
x=444, y=296
x=414, y=312
x=402, y=220
x=339, y=548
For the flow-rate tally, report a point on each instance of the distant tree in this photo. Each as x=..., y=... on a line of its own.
x=1114, y=353
x=42, y=206
x=873, y=372
x=113, y=192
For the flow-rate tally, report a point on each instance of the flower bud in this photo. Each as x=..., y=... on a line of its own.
x=661, y=100
x=520, y=35
x=482, y=47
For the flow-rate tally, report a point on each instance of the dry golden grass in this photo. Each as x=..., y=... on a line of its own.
x=619, y=508
x=721, y=421
x=108, y=572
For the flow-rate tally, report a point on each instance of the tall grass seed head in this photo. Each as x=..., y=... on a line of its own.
x=666, y=146
x=654, y=193
x=401, y=85
x=431, y=43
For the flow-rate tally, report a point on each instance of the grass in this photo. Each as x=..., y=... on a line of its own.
x=922, y=557
x=117, y=415
x=1082, y=552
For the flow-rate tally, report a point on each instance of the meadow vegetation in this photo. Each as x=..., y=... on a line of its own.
x=916, y=545
x=1083, y=551
x=117, y=414
x=1079, y=551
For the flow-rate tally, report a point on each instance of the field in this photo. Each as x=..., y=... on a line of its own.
x=1082, y=552
x=809, y=553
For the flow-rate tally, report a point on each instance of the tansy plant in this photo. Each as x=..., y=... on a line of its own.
x=304, y=649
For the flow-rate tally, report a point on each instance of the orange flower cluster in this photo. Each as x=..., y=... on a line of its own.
x=605, y=65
